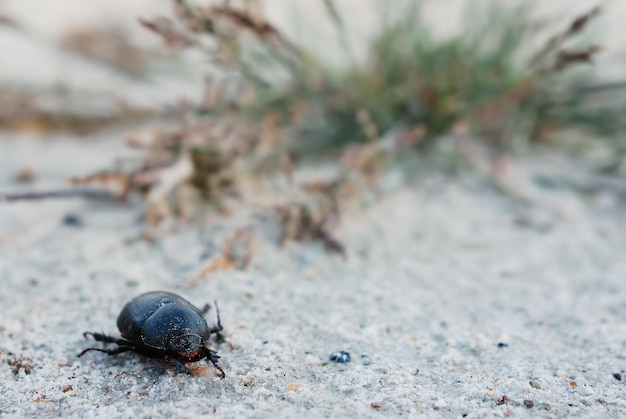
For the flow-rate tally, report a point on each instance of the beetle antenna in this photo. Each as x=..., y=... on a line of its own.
x=218, y=327
x=217, y=311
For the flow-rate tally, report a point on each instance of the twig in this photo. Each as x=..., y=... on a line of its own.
x=169, y=178
x=560, y=38
x=55, y=193
x=236, y=253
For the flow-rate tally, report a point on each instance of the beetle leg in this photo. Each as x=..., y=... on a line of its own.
x=218, y=327
x=100, y=337
x=122, y=345
x=177, y=364
x=213, y=357
x=118, y=350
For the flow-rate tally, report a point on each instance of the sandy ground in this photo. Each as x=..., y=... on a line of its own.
x=447, y=304
x=453, y=301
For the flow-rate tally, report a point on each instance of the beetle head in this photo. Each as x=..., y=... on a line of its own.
x=187, y=345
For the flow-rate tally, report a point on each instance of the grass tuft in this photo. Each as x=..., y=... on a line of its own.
x=271, y=105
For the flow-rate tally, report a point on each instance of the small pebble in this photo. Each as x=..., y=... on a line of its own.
x=440, y=404
x=535, y=384
x=312, y=360
x=72, y=220
x=293, y=387
x=583, y=390
x=617, y=376
x=341, y=357
x=529, y=404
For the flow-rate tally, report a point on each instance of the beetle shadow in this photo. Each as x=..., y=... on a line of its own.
x=132, y=364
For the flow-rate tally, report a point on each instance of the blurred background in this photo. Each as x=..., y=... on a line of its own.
x=190, y=111
x=212, y=95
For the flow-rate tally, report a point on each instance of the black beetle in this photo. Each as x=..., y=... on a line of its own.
x=162, y=324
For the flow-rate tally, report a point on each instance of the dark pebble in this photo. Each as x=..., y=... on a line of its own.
x=529, y=404
x=617, y=376
x=72, y=220
x=503, y=345
x=340, y=356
